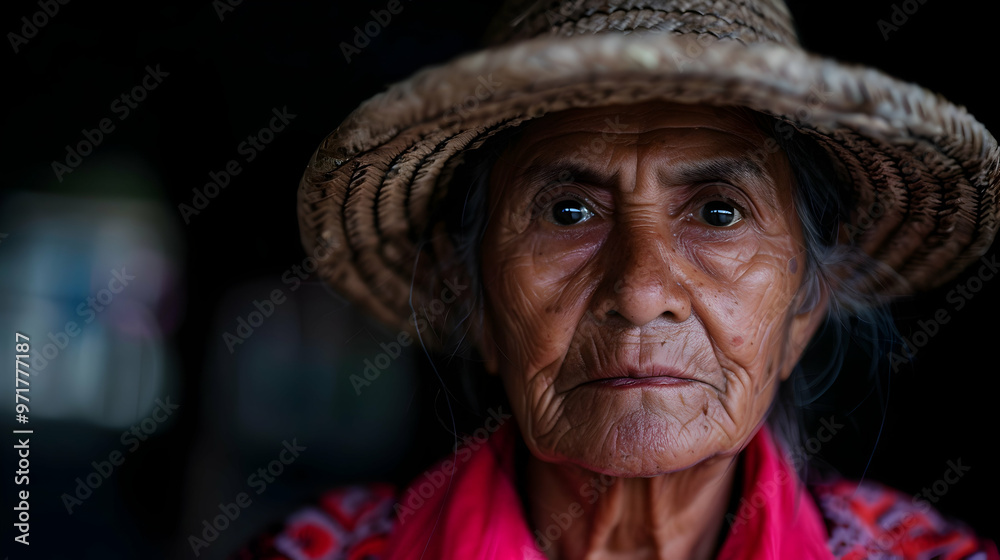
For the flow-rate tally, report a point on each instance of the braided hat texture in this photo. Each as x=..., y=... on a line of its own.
x=924, y=172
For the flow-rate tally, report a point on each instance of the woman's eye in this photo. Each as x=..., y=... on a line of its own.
x=569, y=212
x=720, y=213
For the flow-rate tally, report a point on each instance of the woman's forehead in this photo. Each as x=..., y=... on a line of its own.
x=674, y=142
x=629, y=123
x=666, y=145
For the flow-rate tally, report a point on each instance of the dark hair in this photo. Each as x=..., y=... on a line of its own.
x=823, y=201
x=855, y=320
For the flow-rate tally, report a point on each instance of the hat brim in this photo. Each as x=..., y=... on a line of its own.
x=924, y=171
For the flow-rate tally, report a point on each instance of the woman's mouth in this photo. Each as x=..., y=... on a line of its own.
x=626, y=382
x=635, y=377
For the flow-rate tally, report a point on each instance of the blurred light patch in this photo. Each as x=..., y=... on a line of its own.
x=86, y=277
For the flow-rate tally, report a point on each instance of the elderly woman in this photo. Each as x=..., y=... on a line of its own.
x=638, y=217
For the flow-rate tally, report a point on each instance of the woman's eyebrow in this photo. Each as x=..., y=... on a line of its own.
x=565, y=171
x=738, y=171
x=723, y=168
x=746, y=172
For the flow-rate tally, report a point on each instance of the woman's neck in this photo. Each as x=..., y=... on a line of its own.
x=577, y=514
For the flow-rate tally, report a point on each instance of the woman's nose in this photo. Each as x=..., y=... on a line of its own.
x=643, y=278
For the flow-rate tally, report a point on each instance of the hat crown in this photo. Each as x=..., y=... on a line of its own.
x=746, y=21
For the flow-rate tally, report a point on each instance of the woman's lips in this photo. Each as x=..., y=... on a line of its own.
x=637, y=382
x=640, y=378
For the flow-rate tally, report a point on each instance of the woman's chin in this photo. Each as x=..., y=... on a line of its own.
x=638, y=444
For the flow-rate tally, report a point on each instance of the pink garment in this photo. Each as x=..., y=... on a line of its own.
x=478, y=515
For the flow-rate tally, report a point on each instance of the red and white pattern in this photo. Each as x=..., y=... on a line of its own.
x=867, y=521
x=351, y=523
x=872, y=521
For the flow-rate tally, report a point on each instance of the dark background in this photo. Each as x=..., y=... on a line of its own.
x=162, y=336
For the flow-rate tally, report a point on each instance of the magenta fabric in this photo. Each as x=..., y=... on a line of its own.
x=777, y=517
x=474, y=512
x=477, y=515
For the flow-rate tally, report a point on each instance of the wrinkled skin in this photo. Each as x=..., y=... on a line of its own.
x=647, y=340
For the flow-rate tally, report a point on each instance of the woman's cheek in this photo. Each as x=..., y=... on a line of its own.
x=554, y=267
x=523, y=287
x=746, y=276
x=716, y=254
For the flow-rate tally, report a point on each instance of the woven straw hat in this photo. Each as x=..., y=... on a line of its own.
x=924, y=172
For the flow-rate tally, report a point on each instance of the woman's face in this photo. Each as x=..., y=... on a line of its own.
x=640, y=267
